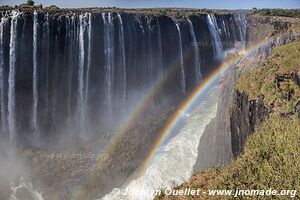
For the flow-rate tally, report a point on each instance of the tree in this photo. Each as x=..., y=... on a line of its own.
x=30, y=3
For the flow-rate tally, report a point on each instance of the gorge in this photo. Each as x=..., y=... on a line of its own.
x=106, y=82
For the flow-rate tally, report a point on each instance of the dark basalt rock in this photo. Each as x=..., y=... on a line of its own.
x=245, y=115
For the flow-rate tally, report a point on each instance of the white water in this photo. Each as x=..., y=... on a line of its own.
x=46, y=40
x=28, y=187
x=196, y=53
x=109, y=54
x=72, y=40
x=242, y=25
x=2, y=93
x=89, y=63
x=150, y=53
x=11, y=77
x=174, y=163
x=81, y=69
x=123, y=57
x=140, y=24
x=225, y=29
x=214, y=31
x=35, y=78
x=181, y=61
x=160, y=56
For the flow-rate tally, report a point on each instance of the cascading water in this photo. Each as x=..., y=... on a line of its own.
x=79, y=67
x=149, y=50
x=181, y=60
x=196, y=53
x=2, y=92
x=72, y=36
x=11, y=77
x=123, y=56
x=160, y=55
x=240, y=20
x=89, y=63
x=225, y=29
x=214, y=30
x=46, y=39
x=81, y=70
x=34, y=78
x=109, y=56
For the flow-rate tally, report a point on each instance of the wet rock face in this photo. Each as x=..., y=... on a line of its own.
x=245, y=115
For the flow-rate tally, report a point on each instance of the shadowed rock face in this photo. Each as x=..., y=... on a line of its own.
x=245, y=115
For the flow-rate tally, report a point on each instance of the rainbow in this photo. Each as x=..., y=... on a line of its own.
x=137, y=111
x=192, y=100
x=144, y=101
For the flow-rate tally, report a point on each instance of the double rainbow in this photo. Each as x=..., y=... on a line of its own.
x=172, y=123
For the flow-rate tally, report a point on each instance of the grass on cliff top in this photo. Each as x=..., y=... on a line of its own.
x=270, y=160
x=261, y=80
x=278, y=12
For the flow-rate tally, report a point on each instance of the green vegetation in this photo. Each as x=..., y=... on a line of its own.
x=31, y=5
x=278, y=12
x=52, y=7
x=270, y=159
x=281, y=94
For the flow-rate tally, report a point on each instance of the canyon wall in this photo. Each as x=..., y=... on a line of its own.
x=81, y=72
x=237, y=115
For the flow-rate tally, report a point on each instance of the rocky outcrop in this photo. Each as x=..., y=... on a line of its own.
x=245, y=115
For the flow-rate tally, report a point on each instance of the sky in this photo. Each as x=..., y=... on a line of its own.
x=211, y=4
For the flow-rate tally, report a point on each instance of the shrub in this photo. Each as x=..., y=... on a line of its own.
x=30, y=3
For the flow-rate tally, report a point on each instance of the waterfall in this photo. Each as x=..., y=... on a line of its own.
x=11, y=77
x=2, y=94
x=35, y=78
x=214, y=31
x=160, y=56
x=89, y=62
x=149, y=50
x=72, y=40
x=196, y=53
x=81, y=70
x=241, y=22
x=46, y=40
x=225, y=29
x=109, y=56
x=123, y=57
x=181, y=60
x=140, y=24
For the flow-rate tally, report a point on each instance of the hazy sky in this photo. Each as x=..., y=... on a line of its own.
x=218, y=4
